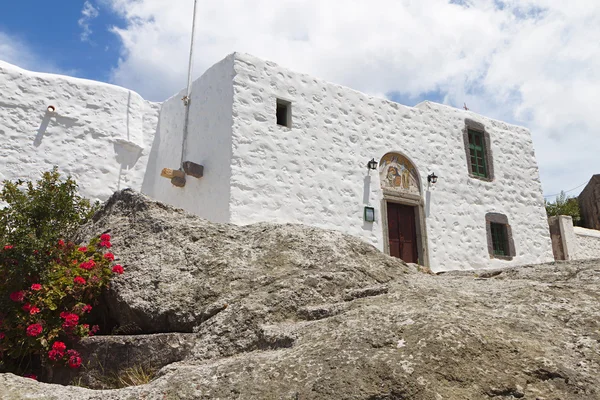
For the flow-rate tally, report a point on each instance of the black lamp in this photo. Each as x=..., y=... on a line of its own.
x=432, y=178
x=372, y=164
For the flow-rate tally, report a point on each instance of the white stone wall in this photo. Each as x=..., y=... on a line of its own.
x=315, y=173
x=588, y=244
x=208, y=144
x=100, y=134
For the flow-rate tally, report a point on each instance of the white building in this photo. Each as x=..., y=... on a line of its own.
x=280, y=146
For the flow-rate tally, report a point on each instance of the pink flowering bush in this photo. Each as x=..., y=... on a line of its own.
x=47, y=317
x=49, y=287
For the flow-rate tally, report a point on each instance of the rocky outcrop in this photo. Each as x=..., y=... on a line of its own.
x=289, y=312
x=107, y=357
x=182, y=270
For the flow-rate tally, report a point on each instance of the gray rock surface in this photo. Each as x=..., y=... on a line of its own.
x=106, y=357
x=289, y=312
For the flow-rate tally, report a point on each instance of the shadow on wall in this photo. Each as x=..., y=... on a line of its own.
x=152, y=165
x=65, y=122
x=127, y=155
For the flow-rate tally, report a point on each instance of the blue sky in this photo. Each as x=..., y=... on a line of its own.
x=53, y=34
x=534, y=63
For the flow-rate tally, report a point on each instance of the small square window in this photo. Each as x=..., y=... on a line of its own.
x=284, y=113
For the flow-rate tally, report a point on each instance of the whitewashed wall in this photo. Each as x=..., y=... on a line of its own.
x=588, y=244
x=209, y=144
x=100, y=134
x=573, y=242
x=315, y=173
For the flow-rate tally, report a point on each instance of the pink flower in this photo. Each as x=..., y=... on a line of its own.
x=83, y=249
x=30, y=309
x=30, y=376
x=105, y=237
x=55, y=355
x=105, y=244
x=86, y=309
x=59, y=346
x=109, y=256
x=95, y=329
x=79, y=280
x=34, y=330
x=72, y=353
x=2, y=335
x=71, y=320
x=8, y=247
x=117, y=269
x=87, y=265
x=36, y=287
x=61, y=243
x=74, y=362
x=17, y=296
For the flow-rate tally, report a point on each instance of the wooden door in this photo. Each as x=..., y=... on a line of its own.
x=402, y=232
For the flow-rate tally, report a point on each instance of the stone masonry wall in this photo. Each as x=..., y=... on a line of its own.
x=589, y=202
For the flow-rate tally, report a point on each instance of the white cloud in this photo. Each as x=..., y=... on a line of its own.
x=88, y=13
x=533, y=62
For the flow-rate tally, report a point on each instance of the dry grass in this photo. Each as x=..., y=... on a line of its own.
x=135, y=376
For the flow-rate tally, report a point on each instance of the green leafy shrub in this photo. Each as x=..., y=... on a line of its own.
x=564, y=205
x=47, y=286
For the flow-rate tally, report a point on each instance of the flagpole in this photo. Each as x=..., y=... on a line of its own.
x=186, y=98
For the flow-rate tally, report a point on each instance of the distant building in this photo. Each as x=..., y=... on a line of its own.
x=589, y=203
x=285, y=147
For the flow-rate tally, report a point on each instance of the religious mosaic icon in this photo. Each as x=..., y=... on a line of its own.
x=398, y=173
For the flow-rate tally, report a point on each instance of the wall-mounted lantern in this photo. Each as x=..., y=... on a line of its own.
x=432, y=178
x=372, y=164
x=51, y=109
x=369, y=214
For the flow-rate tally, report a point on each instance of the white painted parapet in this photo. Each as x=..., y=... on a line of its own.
x=98, y=133
x=588, y=244
x=572, y=242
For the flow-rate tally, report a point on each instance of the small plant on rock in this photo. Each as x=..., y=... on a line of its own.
x=48, y=286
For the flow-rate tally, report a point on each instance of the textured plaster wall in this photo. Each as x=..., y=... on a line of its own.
x=588, y=244
x=100, y=134
x=208, y=144
x=314, y=173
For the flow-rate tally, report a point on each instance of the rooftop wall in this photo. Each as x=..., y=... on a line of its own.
x=100, y=134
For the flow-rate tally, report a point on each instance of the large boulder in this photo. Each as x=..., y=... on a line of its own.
x=182, y=270
x=289, y=312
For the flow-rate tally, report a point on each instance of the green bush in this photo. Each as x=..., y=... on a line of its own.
x=564, y=205
x=48, y=286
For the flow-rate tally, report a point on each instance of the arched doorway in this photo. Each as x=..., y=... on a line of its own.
x=403, y=209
